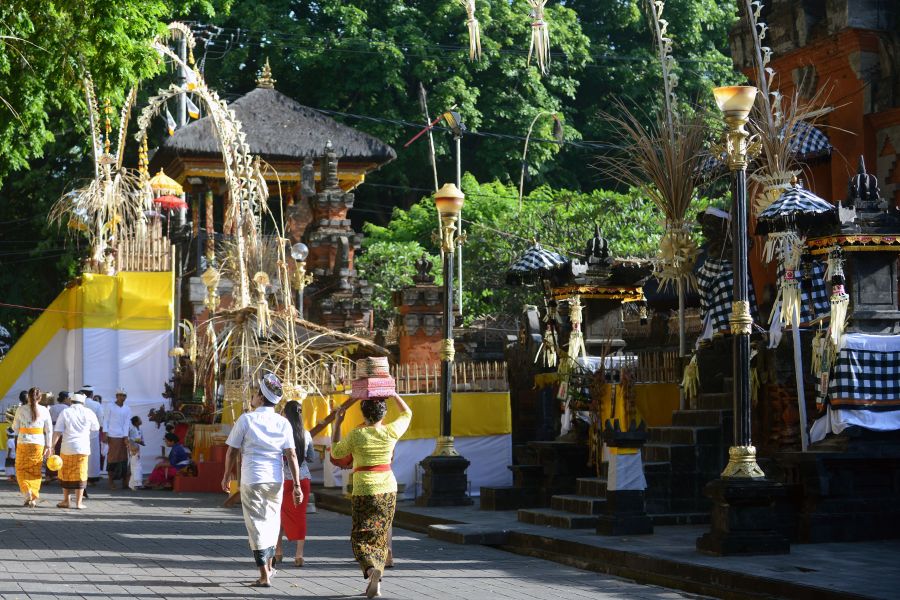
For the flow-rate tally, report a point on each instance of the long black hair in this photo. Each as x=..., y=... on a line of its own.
x=293, y=412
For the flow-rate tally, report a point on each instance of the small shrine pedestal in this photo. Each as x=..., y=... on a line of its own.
x=625, y=511
x=744, y=518
x=444, y=482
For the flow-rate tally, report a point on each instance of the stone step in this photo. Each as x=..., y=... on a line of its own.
x=699, y=418
x=690, y=518
x=721, y=400
x=591, y=486
x=557, y=518
x=685, y=435
x=523, y=454
x=527, y=476
x=660, y=452
x=580, y=505
x=507, y=498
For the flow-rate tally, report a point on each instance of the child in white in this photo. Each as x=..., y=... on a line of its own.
x=11, y=453
x=135, y=441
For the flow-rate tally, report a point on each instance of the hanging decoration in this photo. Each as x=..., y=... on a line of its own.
x=540, y=36
x=840, y=300
x=261, y=279
x=192, y=108
x=170, y=122
x=576, y=338
x=787, y=247
x=677, y=255
x=474, y=30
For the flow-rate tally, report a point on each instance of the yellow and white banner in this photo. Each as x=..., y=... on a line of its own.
x=481, y=427
x=108, y=332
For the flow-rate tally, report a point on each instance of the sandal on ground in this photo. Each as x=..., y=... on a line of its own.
x=62, y=505
x=277, y=558
x=298, y=561
x=259, y=583
x=82, y=507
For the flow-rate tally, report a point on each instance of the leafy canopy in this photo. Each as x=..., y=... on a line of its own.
x=497, y=234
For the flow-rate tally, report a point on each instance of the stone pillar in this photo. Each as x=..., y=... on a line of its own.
x=420, y=317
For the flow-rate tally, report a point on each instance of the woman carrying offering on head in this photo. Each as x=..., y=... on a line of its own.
x=374, y=486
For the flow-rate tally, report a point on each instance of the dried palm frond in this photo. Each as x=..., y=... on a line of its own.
x=776, y=120
x=540, y=36
x=474, y=29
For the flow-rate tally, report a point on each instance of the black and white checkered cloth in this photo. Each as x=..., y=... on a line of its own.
x=814, y=299
x=809, y=141
x=865, y=379
x=715, y=284
x=534, y=261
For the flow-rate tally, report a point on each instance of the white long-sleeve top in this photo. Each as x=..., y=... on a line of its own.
x=118, y=421
x=25, y=424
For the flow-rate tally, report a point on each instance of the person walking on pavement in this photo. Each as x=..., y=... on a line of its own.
x=374, y=486
x=34, y=429
x=73, y=429
x=293, y=517
x=115, y=429
x=93, y=404
x=262, y=438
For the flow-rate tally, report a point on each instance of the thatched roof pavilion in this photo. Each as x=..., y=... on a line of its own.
x=282, y=132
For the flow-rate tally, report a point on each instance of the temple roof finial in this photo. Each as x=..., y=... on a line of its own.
x=265, y=79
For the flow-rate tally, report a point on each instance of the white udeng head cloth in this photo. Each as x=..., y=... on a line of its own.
x=271, y=388
x=79, y=398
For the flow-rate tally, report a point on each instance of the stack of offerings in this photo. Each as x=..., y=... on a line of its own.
x=373, y=379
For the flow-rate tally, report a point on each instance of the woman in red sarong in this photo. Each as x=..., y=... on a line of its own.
x=293, y=517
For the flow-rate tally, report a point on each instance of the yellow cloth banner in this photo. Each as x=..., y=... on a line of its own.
x=132, y=301
x=474, y=414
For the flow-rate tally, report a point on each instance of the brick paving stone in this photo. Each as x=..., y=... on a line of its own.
x=133, y=545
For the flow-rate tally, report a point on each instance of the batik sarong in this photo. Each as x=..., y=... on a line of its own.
x=117, y=458
x=372, y=517
x=74, y=472
x=29, y=462
x=262, y=516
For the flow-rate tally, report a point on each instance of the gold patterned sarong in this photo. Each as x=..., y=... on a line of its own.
x=74, y=472
x=372, y=517
x=29, y=461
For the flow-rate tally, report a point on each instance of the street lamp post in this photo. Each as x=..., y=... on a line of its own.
x=743, y=516
x=299, y=252
x=444, y=481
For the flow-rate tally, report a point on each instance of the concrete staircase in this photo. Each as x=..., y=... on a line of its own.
x=572, y=511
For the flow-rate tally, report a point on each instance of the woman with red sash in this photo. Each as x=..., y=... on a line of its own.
x=374, y=486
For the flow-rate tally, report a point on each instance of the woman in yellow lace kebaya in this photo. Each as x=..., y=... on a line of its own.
x=34, y=427
x=374, y=486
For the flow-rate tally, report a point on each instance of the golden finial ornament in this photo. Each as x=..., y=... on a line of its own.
x=265, y=79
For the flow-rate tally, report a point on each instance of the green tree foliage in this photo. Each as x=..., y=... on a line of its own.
x=369, y=56
x=497, y=233
x=46, y=46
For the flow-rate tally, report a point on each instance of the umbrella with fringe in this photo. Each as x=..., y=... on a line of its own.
x=797, y=209
x=534, y=264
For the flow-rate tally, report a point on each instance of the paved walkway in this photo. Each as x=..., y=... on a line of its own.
x=669, y=556
x=131, y=545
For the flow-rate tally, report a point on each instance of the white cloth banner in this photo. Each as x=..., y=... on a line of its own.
x=489, y=458
x=836, y=421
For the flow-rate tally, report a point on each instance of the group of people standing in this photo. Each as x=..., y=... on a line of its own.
x=273, y=451
x=74, y=427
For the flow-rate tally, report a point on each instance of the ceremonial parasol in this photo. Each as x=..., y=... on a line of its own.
x=170, y=202
x=796, y=210
x=534, y=264
x=793, y=214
